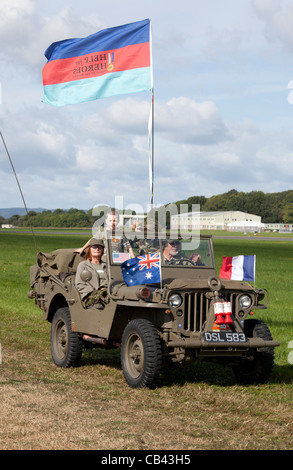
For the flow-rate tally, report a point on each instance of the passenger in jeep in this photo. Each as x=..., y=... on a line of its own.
x=111, y=223
x=91, y=276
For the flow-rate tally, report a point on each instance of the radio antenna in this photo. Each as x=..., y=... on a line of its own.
x=13, y=169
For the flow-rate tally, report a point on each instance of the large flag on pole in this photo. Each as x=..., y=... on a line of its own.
x=113, y=61
x=238, y=268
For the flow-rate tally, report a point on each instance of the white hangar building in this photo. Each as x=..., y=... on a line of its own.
x=216, y=220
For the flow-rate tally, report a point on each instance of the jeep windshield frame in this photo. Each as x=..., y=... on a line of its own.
x=181, y=257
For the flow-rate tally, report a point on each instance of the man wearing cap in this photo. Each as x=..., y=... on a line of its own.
x=171, y=251
x=172, y=255
x=94, y=290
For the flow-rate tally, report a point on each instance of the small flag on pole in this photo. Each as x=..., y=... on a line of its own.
x=111, y=62
x=238, y=268
x=142, y=270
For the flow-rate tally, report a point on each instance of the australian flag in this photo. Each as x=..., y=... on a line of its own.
x=142, y=270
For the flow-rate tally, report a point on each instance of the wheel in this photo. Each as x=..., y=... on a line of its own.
x=141, y=353
x=257, y=370
x=66, y=345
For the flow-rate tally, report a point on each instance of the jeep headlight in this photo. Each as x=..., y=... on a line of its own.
x=244, y=301
x=175, y=300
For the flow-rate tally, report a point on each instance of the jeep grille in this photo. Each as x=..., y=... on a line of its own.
x=196, y=307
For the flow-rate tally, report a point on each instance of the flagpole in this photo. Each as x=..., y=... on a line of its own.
x=153, y=147
x=152, y=117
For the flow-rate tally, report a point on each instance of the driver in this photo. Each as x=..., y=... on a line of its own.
x=171, y=251
x=172, y=255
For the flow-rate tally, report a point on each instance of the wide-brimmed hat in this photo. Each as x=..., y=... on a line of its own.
x=94, y=241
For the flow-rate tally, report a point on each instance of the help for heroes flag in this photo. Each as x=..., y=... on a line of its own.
x=142, y=270
x=111, y=62
x=238, y=268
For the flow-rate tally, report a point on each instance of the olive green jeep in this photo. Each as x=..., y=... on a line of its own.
x=190, y=313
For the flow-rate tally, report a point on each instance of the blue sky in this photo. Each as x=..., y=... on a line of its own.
x=222, y=116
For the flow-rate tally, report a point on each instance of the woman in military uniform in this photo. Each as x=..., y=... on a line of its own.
x=93, y=292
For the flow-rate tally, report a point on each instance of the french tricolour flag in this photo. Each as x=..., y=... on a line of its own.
x=238, y=268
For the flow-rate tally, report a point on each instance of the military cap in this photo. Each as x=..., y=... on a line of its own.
x=94, y=241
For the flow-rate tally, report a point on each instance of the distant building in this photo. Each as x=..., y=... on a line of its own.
x=217, y=220
x=246, y=226
x=279, y=228
x=7, y=226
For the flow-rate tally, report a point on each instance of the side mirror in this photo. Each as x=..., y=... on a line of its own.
x=86, y=275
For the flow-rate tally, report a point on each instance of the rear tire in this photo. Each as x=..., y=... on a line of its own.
x=66, y=345
x=259, y=369
x=141, y=353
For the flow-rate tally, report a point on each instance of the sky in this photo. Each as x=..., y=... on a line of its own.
x=223, y=111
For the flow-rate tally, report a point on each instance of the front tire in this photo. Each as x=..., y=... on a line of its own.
x=259, y=368
x=66, y=345
x=141, y=353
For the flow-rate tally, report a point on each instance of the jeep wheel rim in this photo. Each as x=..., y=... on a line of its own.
x=61, y=339
x=134, y=355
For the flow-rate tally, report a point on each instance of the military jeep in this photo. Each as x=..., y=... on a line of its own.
x=189, y=314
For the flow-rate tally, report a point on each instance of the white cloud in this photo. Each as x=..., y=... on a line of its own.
x=120, y=120
x=224, y=159
x=278, y=17
x=187, y=122
x=25, y=34
x=13, y=10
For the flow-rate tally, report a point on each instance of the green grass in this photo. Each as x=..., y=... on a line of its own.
x=274, y=272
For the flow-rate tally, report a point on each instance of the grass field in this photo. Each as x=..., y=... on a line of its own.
x=92, y=408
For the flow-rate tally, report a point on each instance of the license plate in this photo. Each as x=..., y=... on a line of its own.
x=224, y=336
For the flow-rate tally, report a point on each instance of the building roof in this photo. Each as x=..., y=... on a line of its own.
x=211, y=213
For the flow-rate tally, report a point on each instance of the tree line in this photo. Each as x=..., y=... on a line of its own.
x=272, y=207
x=56, y=218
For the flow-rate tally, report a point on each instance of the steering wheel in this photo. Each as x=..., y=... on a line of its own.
x=183, y=261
